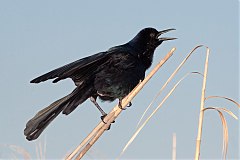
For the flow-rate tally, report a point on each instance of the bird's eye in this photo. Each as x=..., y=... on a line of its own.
x=152, y=35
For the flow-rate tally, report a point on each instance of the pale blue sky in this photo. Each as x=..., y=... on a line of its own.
x=37, y=36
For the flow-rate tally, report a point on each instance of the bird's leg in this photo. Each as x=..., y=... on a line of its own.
x=93, y=99
x=120, y=104
x=104, y=114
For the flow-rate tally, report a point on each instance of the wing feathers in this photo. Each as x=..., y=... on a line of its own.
x=67, y=70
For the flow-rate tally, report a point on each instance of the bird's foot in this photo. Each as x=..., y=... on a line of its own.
x=129, y=104
x=102, y=118
x=120, y=105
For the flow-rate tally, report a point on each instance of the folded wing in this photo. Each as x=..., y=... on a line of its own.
x=78, y=70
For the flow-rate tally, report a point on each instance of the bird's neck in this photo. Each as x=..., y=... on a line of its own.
x=142, y=52
x=145, y=55
x=147, y=58
x=138, y=44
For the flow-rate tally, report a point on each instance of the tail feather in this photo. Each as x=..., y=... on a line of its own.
x=43, y=118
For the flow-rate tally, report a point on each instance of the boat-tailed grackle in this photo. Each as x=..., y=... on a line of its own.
x=108, y=75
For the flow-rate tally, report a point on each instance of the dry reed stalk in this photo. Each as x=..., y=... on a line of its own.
x=201, y=114
x=93, y=140
x=101, y=127
x=174, y=147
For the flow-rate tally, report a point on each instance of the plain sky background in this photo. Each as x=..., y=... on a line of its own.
x=38, y=36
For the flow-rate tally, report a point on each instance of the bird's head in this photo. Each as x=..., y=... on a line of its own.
x=146, y=41
x=150, y=38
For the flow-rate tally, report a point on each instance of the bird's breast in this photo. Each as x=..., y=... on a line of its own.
x=118, y=79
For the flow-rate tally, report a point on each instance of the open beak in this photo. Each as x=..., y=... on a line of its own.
x=165, y=38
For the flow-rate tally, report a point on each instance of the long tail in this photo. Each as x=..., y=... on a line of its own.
x=43, y=118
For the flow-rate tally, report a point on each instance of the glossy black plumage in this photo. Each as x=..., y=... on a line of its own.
x=108, y=75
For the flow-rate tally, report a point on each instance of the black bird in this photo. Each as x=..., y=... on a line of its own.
x=108, y=75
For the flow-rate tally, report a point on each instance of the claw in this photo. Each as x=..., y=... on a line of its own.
x=129, y=104
x=120, y=105
x=102, y=118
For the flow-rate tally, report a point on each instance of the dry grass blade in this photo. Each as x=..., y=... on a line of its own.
x=40, y=150
x=229, y=112
x=223, y=109
x=97, y=132
x=229, y=99
x=225, y=133
x=45, y=147
x=21, y=151
x=169, y=79
x=14, y=156
x=158, y=107
x=225, y=127
x=37, y=152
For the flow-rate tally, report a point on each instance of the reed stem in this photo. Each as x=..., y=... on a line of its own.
x=201, y=114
